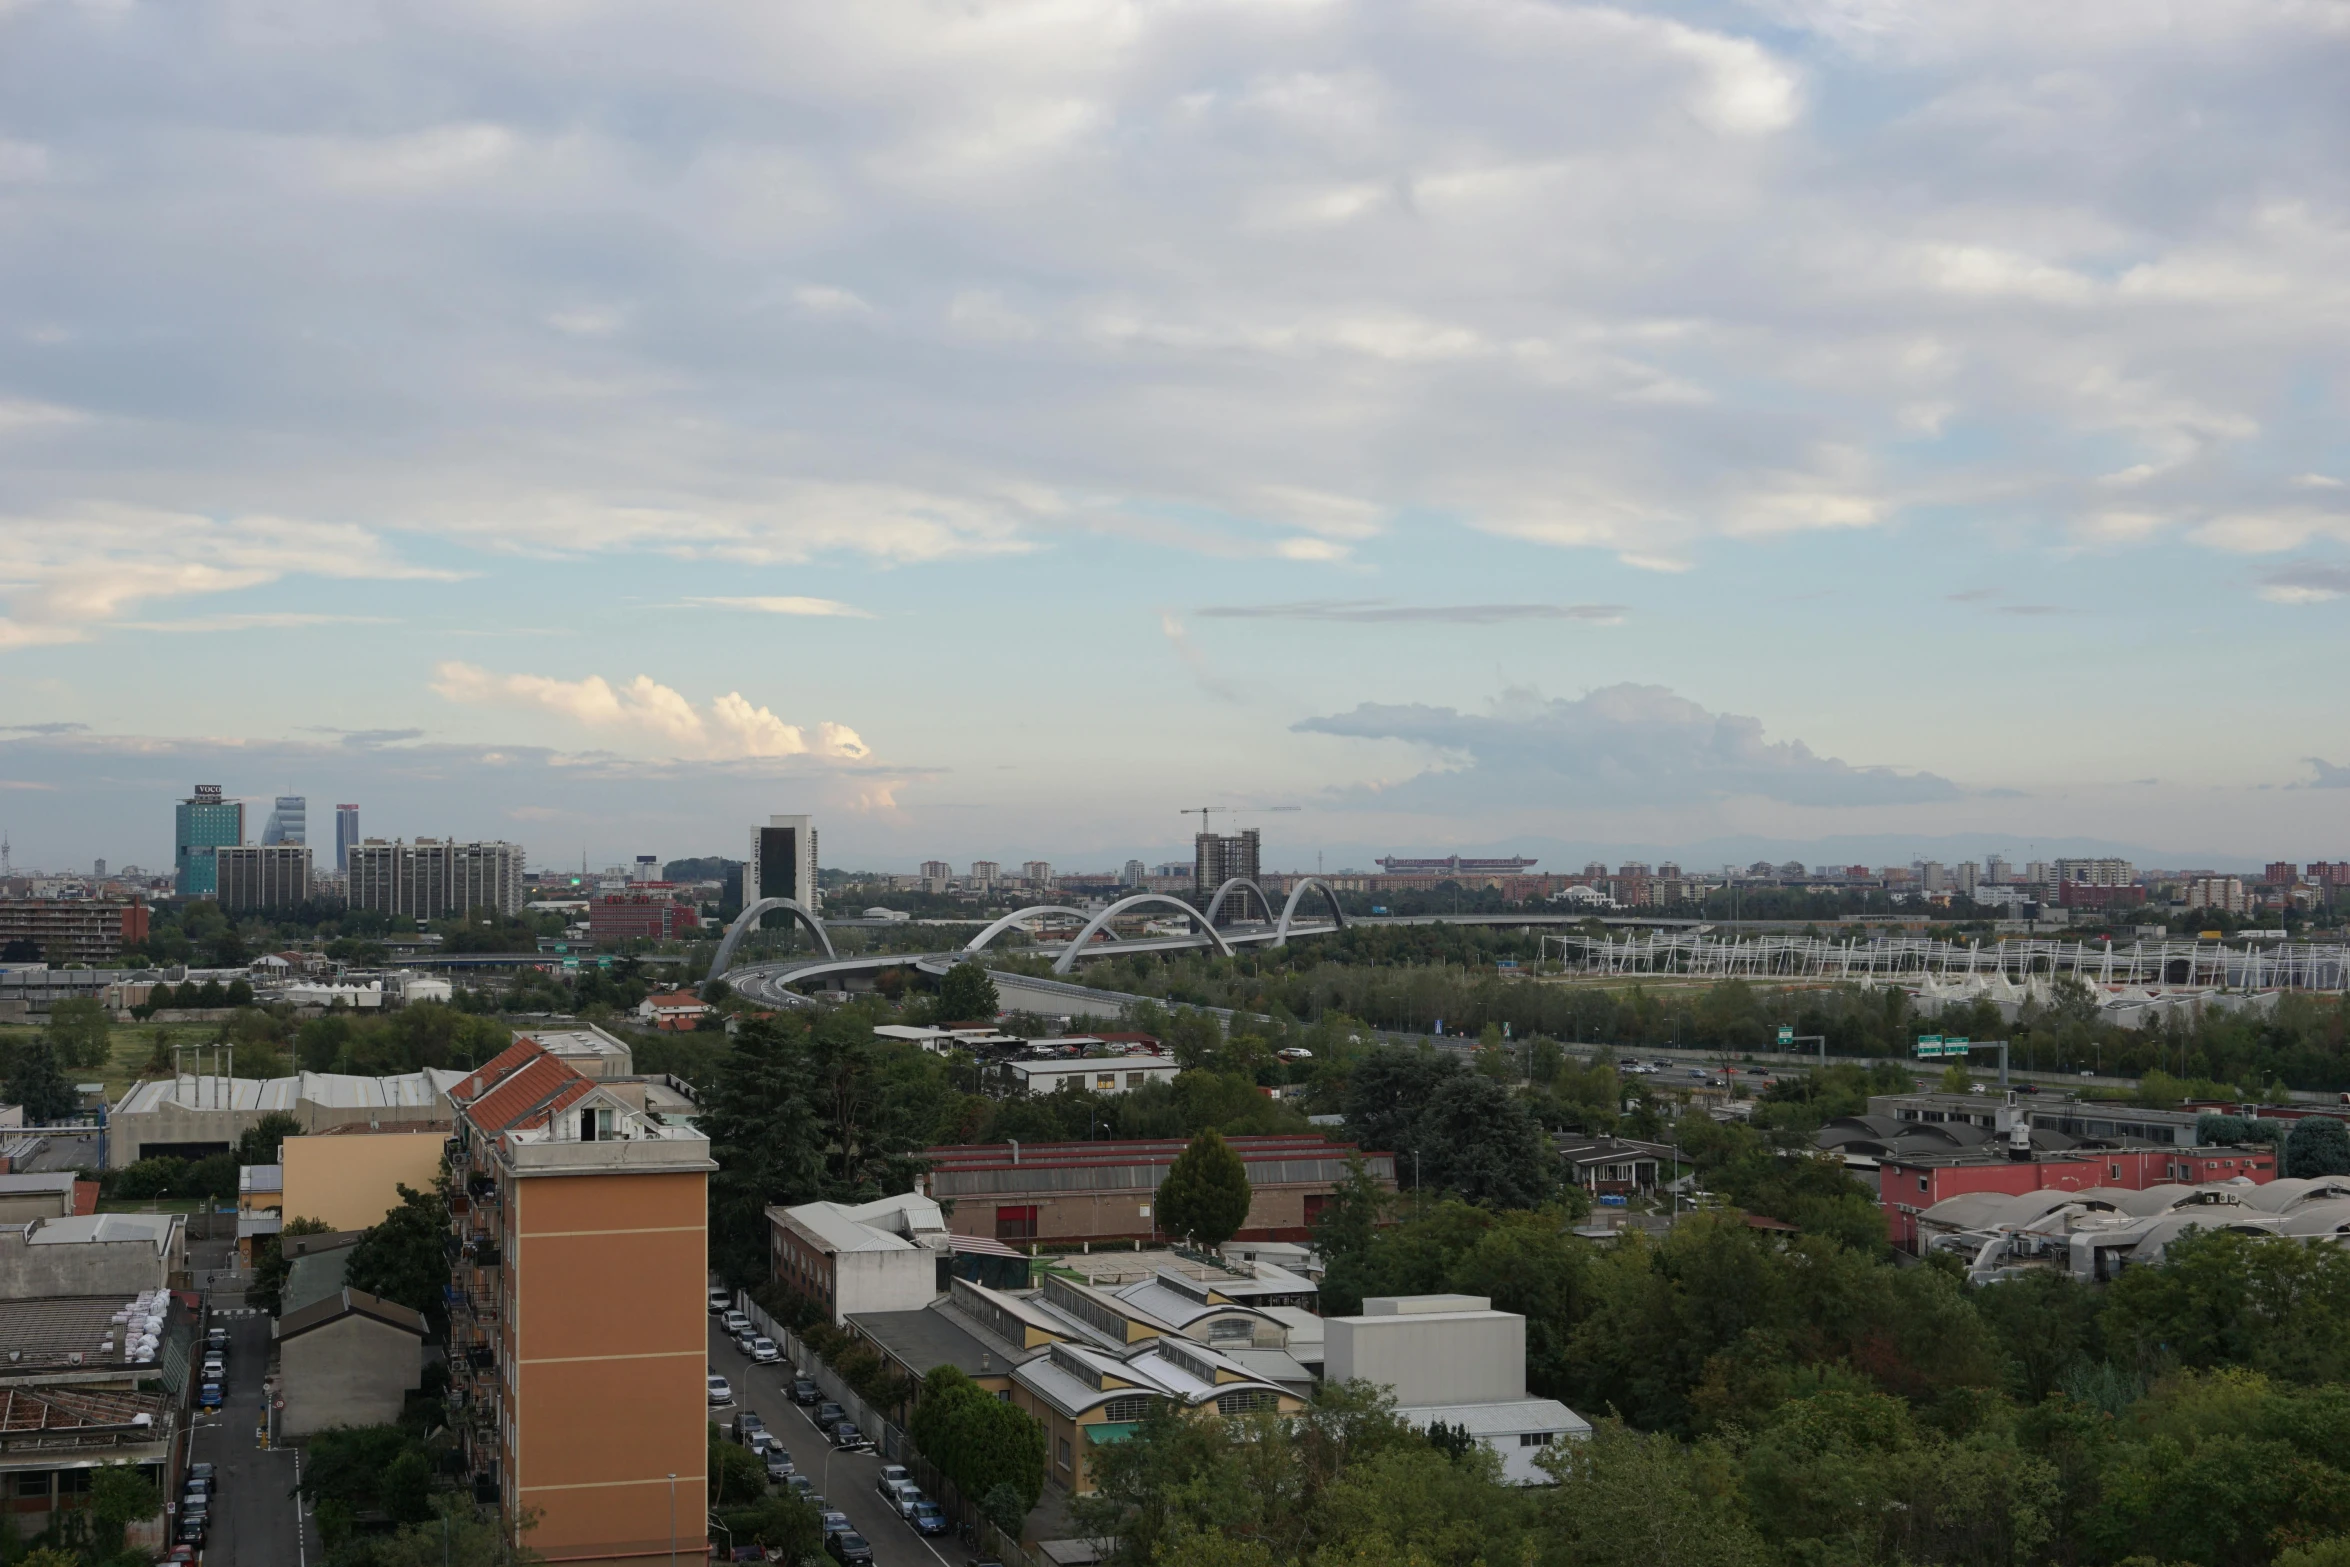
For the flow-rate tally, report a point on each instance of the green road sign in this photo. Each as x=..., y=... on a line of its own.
x=1786, y=1034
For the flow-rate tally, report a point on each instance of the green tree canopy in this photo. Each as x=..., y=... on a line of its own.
x=2318, y=1145
x=82, y=1033
x=37, y=1082
x=263, y=1141
x=978, y=1441
x=966, y=994
x=404, y=1256
x=1206, y=1194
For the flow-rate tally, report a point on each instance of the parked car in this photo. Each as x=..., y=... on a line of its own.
x=735, y=1322
x=763, y=1350
x=837, y=1522
x=216, y=1340
x=804, y=1391
x=828, y=1414
x=720, y=1301
x=747, y=1425
x=894, y=1492
x=191, y=1531
x=209, y=1398
x=181, y=1556
x=801, y=1486
x=199, y=1485
x=891, y=1474
x=779, y=1465
x=928, y=1517
x=721, y=1391
x=847, y=1438
x=194, y=1504
x=744, y=1339
x=215, y=1369
x=203, y=1472
x=851, y=1547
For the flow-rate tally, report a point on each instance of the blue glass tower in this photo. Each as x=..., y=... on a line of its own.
x=202, y=823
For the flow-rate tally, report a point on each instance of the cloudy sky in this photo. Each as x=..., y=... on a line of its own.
x=994, y=426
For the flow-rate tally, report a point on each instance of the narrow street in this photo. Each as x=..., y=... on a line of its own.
x=254, y=1517
x=846, y=1479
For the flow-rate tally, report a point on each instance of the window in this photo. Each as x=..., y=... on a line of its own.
x=1137, y=1079
x=1231, y=1330
x=1535, y=1438
x=1248, y=1401
x=1105, y=1082
x=32, y=1484
x=1921, y=1183
x=1121, y=1411
x=1061, y=1453
x=74, y=1482
x=1016, y=1223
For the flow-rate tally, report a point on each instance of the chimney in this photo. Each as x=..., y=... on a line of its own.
x=1015, y=1150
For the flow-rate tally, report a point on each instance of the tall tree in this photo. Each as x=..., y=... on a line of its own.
x=2318, y=1145
x=765, y=1136
x=81, y=1032
x=36, y=1082
x=264, y=1141
x=405, y=1256
x=966, y=994
x=1206, y=1193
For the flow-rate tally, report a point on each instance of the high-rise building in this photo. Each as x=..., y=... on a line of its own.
x=98, y=871
x=1996, y=870
x=1933, y=876
x=2093, y=873
x=986, y=872
x=783, y=865
x=202, y=823
x=1037, y=873
x=1133, y=875
x=1218, y=857
x=73, y=930
x=648, y=869
x=578, y=1342
x=936, y=870
x=1965, y=878
x=434, y=877
x=289, y=821
x=263, y=876
x=346, y=835
x=2224, y=893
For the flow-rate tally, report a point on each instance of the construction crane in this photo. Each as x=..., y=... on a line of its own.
x=1207, y=825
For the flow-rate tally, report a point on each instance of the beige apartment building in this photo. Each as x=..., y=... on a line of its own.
x=578, y=1337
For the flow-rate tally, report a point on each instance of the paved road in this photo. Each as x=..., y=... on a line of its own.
x=846, y=1479
x=254, y=1521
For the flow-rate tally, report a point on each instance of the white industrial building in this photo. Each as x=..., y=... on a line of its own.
x=1455, y=1360
x=875, y=1256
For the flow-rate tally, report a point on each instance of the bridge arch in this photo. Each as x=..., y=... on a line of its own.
x=1216, y=902
x=748, y=920
x=980, y=941
x=1093, y=927
x=1296, y=896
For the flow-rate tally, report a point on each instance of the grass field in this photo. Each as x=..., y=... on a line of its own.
x=131, y=1046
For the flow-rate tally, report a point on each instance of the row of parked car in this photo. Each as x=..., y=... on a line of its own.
x=195, y=1509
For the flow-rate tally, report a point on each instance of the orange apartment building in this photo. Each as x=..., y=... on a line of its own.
x=577, y=1317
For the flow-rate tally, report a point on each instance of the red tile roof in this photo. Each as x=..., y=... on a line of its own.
x=524, y=1095
x=497, y=1070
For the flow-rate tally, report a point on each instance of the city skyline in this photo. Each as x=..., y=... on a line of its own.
x=1790, y=425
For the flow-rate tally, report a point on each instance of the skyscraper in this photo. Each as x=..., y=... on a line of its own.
x=201, y=823
x=435, y=876
x=346, y=834
x=1132, y=876
x=1218, y=857
x=263, y=876
x=782, y=864
x=289, y=822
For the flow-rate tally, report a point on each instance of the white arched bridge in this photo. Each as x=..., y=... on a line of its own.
x=1094, y=938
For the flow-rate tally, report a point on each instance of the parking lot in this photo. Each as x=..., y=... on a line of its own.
x=846, y=1479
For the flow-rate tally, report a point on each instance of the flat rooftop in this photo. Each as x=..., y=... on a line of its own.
x=49, y=1335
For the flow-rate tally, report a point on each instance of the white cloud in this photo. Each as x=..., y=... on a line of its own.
x=1571, y=273
x=784, y=604
x=1622, y=745
x=733, y=728
x=71, y=576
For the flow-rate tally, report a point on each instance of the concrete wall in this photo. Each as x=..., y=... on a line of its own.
x=352, y=1181
x=123, y=1268
x=1469, y=1357
x=16, y=1207
x=173, y=1123
x=884, y=1281
x=351, y=1372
